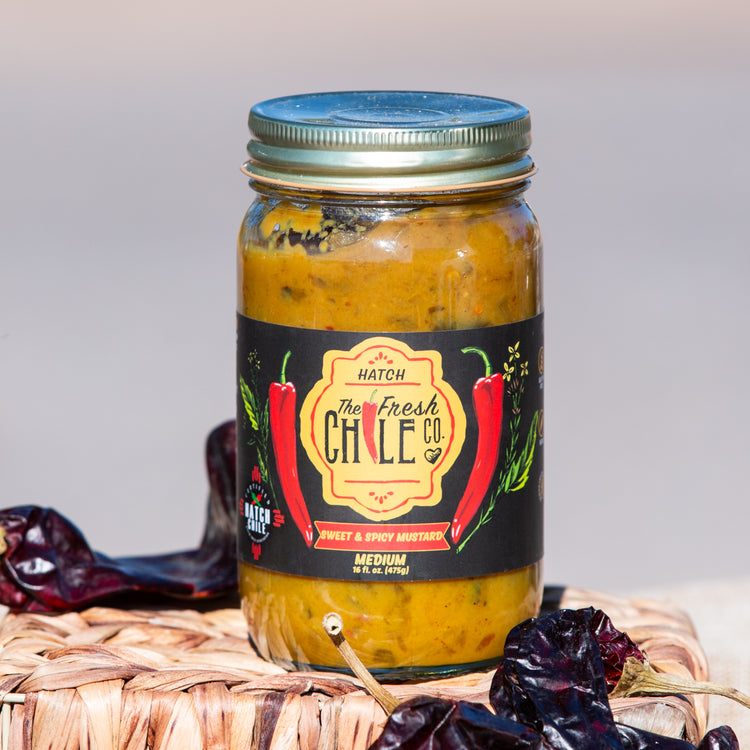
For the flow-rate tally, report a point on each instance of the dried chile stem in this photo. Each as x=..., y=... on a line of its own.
x=334, y=626
x=640, y=679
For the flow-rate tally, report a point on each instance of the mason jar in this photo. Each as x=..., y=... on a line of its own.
x=390, y=379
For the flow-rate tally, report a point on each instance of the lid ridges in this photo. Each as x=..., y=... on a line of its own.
x=361, y=139
x=386, y=138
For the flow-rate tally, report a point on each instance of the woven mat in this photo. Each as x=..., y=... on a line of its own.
x=180, y=679
x=720, y=612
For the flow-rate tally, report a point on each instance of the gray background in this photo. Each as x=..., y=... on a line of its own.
x=123, y=127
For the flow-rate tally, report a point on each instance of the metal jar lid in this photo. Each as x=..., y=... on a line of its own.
x=388, y=141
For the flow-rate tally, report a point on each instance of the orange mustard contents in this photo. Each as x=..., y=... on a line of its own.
x=444, y=266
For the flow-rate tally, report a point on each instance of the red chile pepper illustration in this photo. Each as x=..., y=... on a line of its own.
x=282, y=398
x=369, y=412
x=487, y=397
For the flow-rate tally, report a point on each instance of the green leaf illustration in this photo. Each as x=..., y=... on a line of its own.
x=248, y=399
x=522, y=466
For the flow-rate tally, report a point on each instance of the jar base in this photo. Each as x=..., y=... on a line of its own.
x=399, y=674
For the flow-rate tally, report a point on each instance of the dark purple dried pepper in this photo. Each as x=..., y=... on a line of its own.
x=426, y=723
x=48, y=564
x=614, y=646
x=720, y=738
x=550, y=688
x=639, y=739
x=552, y=679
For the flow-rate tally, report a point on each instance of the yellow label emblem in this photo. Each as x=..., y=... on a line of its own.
x=382, y=427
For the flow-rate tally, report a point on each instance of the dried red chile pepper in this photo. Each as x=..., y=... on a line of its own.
x=720, y=738
x=614, y=646
x=554, y=678
x=639, y=739
x=550, y=691
x=442, y=724
x=48, y=565
x=282, y=400
x=487, y=399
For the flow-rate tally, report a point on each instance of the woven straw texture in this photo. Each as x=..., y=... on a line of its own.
x=720, y=612
x=114, y=679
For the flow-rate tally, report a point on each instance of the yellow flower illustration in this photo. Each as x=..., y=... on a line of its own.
x=509, y=370
x=525, y=368
x=513, y=352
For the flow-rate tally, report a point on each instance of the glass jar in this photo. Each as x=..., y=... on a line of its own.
x=390, y=377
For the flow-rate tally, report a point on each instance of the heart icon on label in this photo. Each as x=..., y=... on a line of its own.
x=433, y=454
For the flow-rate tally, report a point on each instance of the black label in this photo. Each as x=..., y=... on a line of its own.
x=409, y=456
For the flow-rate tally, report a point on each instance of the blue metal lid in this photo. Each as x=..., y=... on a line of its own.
x=389, y=141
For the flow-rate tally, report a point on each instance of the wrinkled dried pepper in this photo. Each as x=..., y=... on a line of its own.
x=434, y=723
x=369, y=413
x=549, y=693
x=47, y=563
x=554, y=678
x=487, y=399
x=282, y=400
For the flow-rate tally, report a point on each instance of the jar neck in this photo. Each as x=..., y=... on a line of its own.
x=401, y=199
